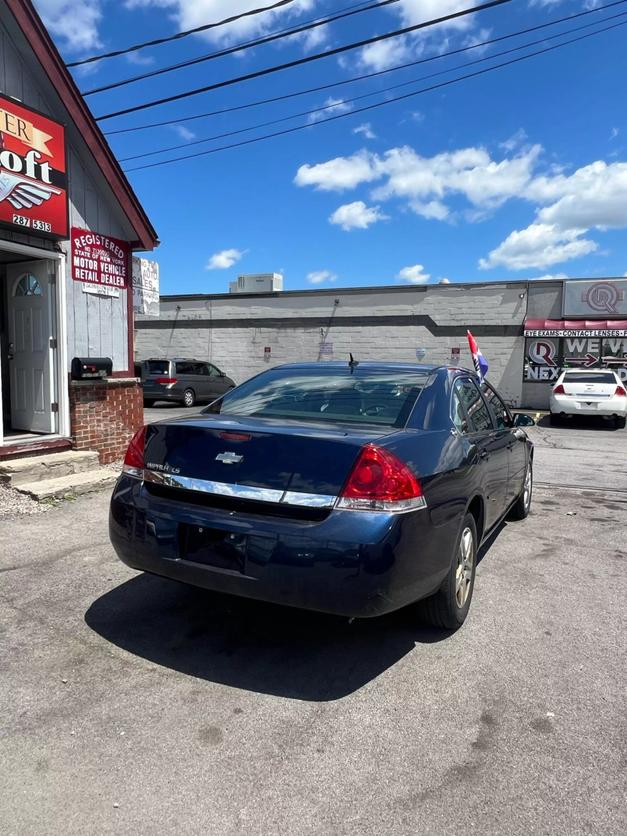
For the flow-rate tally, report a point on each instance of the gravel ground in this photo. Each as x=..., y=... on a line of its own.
x=15, y=504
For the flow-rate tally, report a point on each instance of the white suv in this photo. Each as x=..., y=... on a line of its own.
x=597, y=392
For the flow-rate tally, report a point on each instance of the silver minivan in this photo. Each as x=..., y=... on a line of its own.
x=182, y=380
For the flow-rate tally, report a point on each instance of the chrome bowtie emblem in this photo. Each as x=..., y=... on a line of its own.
x=229, y=458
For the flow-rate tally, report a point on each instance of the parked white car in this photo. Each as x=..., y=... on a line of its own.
x=594, y=392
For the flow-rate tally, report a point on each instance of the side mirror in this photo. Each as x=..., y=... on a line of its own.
x=522, y=420
x=221, y=374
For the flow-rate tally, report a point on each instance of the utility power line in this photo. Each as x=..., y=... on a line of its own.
x=342, y=102
x=267, y=39
x=366, y=76
x=367, y=108
x=101, y=56
x=306, y=60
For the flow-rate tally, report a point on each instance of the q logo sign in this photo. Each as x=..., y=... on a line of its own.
x=542, y=352
x=602, y=297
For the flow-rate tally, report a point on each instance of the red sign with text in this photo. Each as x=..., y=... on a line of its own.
x=33, y=172
x=100, y=259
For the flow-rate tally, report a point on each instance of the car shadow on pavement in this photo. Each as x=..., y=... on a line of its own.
x=593, y=423
x=252, y=645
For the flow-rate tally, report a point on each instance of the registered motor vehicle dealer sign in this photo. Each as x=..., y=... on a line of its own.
x=99, y=259
x=33, y=172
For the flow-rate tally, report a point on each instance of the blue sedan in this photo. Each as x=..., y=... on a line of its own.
x=349, y=488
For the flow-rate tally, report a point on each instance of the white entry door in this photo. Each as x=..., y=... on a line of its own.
x=29, y=306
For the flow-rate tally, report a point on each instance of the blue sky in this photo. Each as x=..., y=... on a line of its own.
x=520, y=173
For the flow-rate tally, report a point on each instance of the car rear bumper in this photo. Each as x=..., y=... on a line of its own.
x=569, y=405
x=350, y=563
x=162, y=393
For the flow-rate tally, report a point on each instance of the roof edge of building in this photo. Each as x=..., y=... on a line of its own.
x=30, y=23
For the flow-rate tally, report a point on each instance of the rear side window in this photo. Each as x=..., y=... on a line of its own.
x=332, y=396
x=503, y=419
x=158, y=367
x=589, y=377
x=478, y=413
x=187, y=367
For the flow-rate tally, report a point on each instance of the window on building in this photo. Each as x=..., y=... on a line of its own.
x=28, y=286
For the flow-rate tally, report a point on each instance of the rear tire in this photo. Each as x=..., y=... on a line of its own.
x=148, y=403
x=449, y=606
x=520, y=509
x=189, y=398
x=620, y=423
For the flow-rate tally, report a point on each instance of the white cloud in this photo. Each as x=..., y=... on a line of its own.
x=224, y=259
x=184, y=132
x=539, y=245
x=140, y=59
x=614, y=133
x=365, y=130
x=444, y=281
x=383, y=54
x=434, y=210
x=415, y=274
x=188, y=14
x=356, y=216
x=321, y=276
x=425, y=181
x=331, y=107
x=516, y=140
x=549, y=277
x=74, y=23
x=338, y=174
x=567, y=206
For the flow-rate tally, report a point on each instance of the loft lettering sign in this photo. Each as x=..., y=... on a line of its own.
x=33, y=172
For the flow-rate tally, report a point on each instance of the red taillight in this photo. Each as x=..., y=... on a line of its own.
x=379, y=481
x=134, y=458
x=621, y=392
x=232, y=436
x=559, y=390
x=165, y=381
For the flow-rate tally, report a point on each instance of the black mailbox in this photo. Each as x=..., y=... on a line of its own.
x=89, y=368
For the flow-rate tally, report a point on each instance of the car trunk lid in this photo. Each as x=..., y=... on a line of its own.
x=590, y=388
x=275, y=456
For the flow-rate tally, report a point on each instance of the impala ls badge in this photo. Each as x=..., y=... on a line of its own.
x=229, y=458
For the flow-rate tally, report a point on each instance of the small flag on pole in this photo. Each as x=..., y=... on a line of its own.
x=481, y=364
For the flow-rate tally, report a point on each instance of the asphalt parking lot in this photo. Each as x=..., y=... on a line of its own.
x=135, y=705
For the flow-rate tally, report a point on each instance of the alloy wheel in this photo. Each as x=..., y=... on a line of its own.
x=465, y=562
x=527, y=489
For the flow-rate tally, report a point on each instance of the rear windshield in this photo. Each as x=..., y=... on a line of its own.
x=331, y=396
x=158, y=367
x=589, y=377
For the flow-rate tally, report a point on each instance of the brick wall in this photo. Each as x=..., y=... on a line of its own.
x=104, y=415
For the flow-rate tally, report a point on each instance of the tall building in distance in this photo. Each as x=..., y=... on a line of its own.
x=257, y=283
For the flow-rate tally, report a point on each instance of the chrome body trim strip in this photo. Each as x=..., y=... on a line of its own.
x=272, y=495
x=189, y=483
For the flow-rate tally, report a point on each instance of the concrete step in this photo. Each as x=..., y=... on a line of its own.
x=74, y=484
x=51, y=466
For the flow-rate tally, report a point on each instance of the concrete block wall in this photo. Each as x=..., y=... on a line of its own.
x=387, y=324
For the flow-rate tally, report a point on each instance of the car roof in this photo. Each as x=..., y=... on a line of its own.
x=378, y=365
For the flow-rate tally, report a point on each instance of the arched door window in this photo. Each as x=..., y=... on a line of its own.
x=28, y=286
